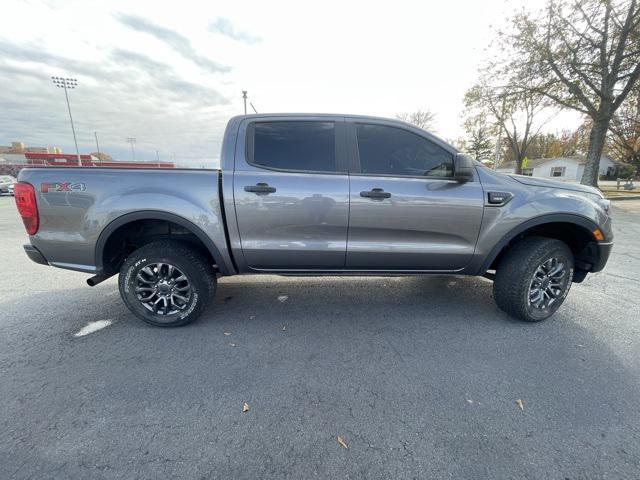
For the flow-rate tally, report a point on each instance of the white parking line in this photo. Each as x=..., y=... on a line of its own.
x=92, y=327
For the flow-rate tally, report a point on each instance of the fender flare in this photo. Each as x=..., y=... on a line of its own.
x=576, y=220
x=157, y=215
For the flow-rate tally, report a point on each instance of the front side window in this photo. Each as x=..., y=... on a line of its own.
x=299, y=145
x=393, y=151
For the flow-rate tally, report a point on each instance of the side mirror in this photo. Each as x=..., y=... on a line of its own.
x=463, y=168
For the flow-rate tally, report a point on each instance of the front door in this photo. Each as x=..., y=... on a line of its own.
x=291, y=194
x=406, y=211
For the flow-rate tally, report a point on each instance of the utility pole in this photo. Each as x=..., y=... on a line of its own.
x=244, y=99
x=97, y=144
x=132, y=141
x=68, y=83
x=157, y=155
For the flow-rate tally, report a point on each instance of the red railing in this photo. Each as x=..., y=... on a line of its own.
x=70, y=160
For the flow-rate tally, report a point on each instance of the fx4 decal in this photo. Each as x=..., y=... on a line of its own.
x=48, y=187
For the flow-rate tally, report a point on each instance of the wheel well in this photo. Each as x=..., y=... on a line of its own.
x=579, y=239
x=137, y=233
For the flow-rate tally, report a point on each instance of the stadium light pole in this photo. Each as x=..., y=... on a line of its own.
x=68, y=83
x=132, y=141
x=244, y=99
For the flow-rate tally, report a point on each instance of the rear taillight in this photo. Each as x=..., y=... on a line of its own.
x=25, y=196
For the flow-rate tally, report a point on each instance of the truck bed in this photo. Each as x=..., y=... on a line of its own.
x=79, y=206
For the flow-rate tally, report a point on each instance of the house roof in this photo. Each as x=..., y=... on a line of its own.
x=536, y=162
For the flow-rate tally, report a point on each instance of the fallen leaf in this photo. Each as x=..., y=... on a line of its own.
x=470, y=401
x=232, y=344
x=252, y=317
x=520, y=404
x=283, y=298
x=227, y=333
x=342, y=442
x=284, y=327
x=245, y=407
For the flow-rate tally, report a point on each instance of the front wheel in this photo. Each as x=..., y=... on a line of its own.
x=534, y=278
x=167, y=283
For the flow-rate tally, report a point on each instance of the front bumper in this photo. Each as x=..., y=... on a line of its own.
x=604, y=250
x=34, y=254
x=592, y=259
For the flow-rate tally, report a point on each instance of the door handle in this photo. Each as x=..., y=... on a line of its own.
x=376, y=194
x=260, y=188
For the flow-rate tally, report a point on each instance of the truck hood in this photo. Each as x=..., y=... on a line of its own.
x=543, y=182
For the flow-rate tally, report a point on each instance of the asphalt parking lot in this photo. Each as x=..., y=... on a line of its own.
x=419, y=376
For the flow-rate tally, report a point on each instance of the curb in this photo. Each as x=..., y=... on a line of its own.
x=632, y=197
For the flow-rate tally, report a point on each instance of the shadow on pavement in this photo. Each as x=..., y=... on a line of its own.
x=419, y=375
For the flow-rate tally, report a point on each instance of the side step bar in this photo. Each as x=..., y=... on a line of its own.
x=96, y=279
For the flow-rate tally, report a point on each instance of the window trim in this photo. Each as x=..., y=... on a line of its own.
x=356, y=167
x=339, y=140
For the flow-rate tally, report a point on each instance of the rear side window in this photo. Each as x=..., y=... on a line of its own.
x=302, y=145
x=393, y=151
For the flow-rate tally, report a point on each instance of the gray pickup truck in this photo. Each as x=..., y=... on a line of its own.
x=315, y=195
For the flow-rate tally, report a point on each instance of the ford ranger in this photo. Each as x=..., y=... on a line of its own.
x=304, y=194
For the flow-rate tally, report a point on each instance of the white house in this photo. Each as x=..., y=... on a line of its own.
x=560, y=168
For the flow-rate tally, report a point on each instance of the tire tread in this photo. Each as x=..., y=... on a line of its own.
x=511, y=280
x=168, y=248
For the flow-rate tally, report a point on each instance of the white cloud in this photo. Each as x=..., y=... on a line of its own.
x=225, y=27
x=172, y=74
x=175, y=40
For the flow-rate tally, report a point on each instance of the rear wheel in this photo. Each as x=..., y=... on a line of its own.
x=167, y=283
x=534, y=278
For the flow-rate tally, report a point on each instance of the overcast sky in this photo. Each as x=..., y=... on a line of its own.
x=171, y=73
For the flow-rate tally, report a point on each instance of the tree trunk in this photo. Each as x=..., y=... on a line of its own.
x=519, y=160
x=597, y=138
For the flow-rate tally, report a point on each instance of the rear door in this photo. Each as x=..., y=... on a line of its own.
x=291, y=193
x=406, y=211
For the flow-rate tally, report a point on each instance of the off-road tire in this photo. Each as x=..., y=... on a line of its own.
x=184, y=257
x=514, y=275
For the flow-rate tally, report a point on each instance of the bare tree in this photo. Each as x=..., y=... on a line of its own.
x=625, y=130
x=586, y=54
x=420, y=118
x=518, y=114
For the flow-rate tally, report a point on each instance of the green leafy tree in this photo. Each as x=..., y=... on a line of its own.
x=480, y=140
